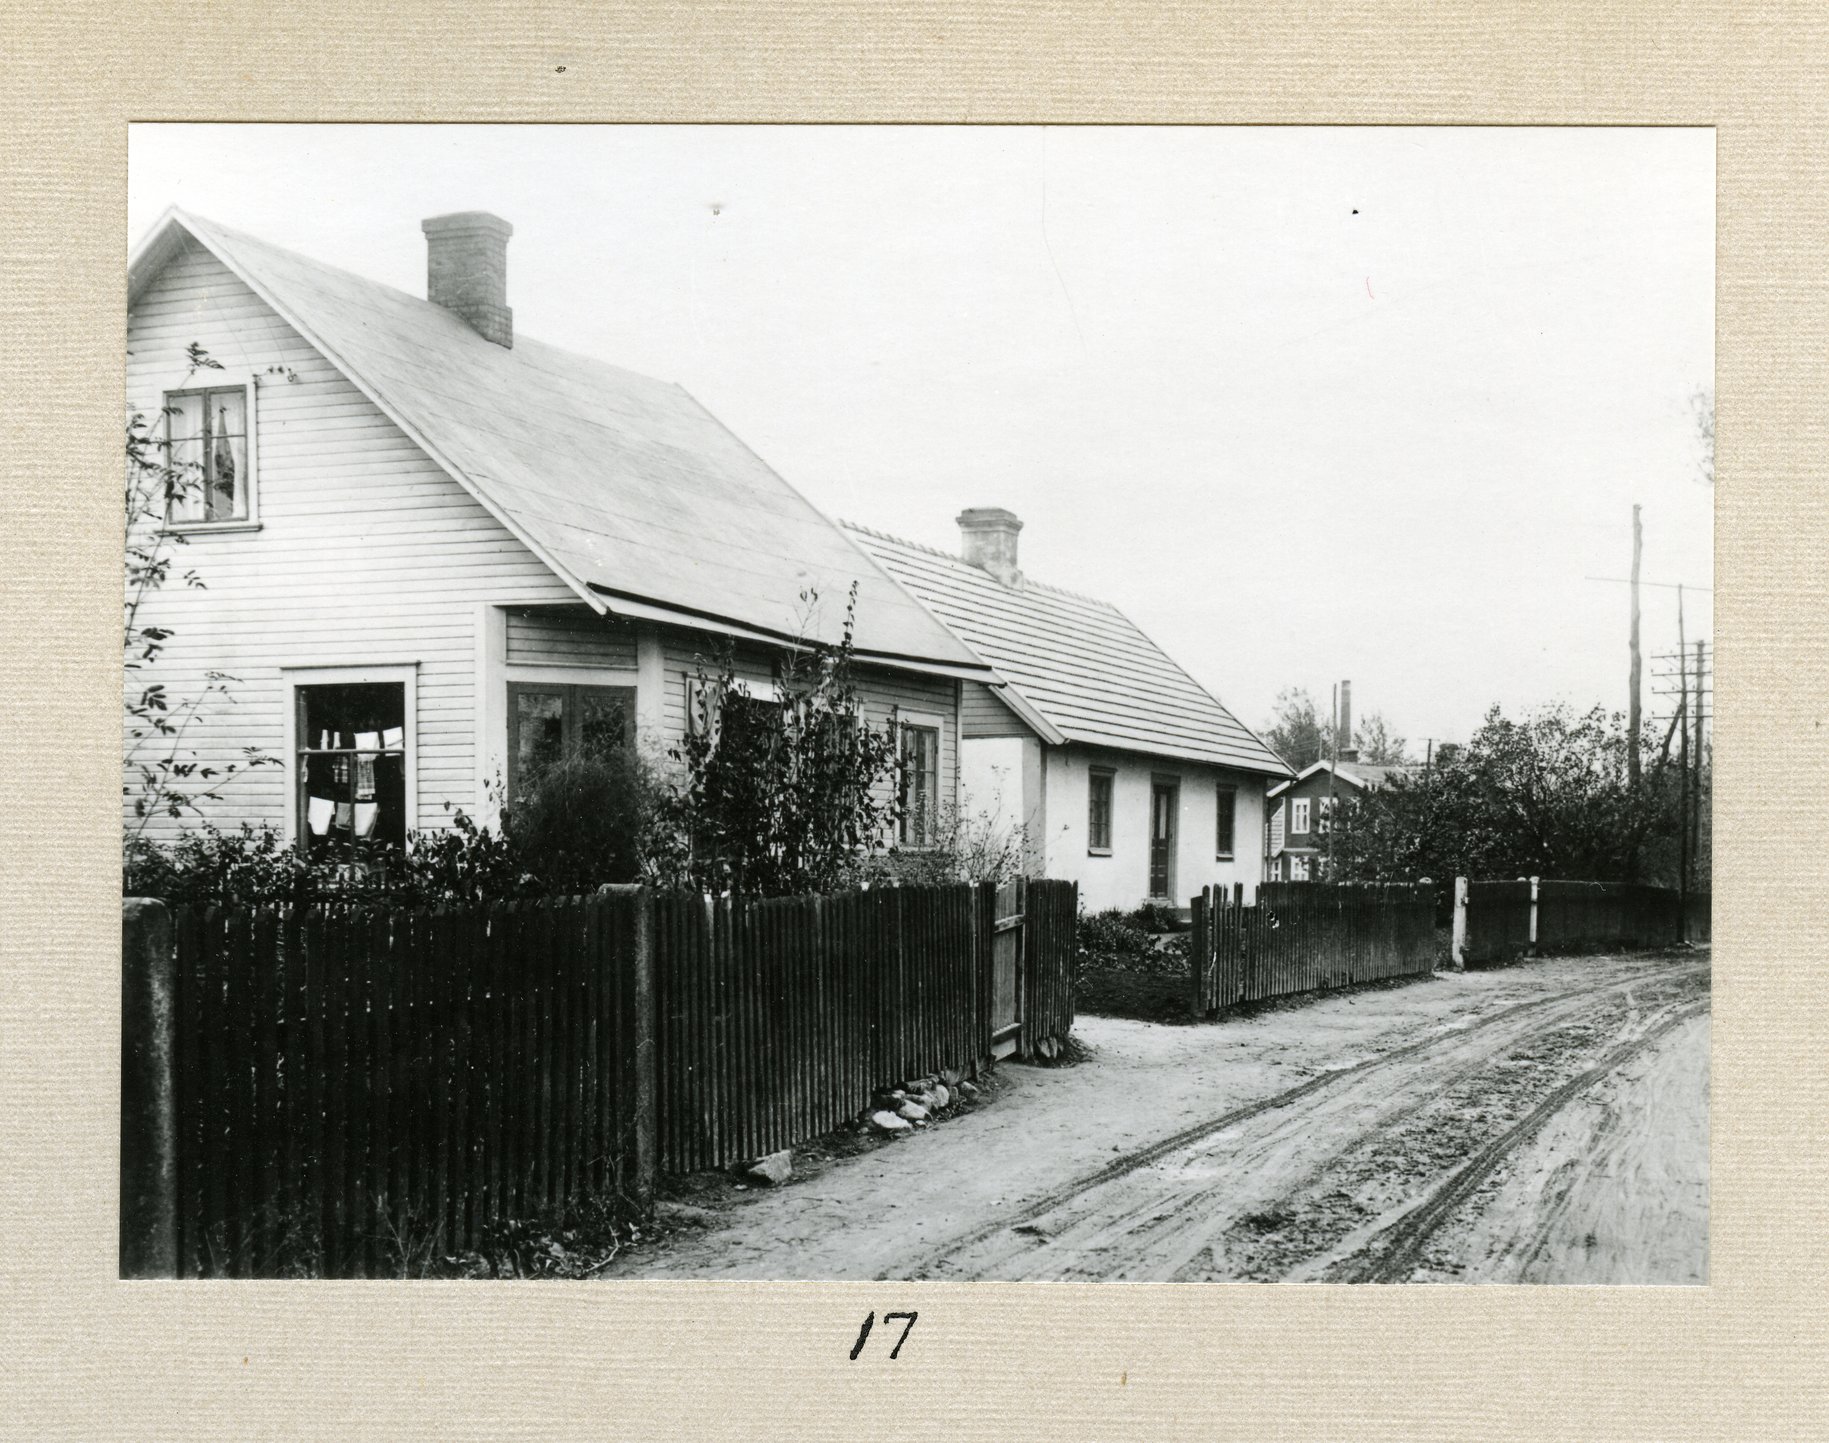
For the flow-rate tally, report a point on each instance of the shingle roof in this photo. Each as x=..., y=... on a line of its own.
x=627, y=487
x=1362, y=774
x=1081, y=663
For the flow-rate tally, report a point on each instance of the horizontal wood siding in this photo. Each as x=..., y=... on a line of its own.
x=685, y=655
x=569, y=636
x=982, y=714
x=367, y=552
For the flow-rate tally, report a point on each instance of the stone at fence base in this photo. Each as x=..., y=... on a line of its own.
x=888, y=1122
x=941, y=1096
x=913, y=1111
x=968, y=1090
x=774, y=1169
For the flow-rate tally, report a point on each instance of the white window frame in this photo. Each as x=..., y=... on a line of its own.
x=936, y=723
x=1108, y=775
x=193, y=383
x=293, y=677
x=1324, y=813
x=1298, y=816
x=1298, y=869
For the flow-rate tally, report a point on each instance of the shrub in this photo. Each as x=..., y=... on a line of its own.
x=582, y=822
x=967, y=847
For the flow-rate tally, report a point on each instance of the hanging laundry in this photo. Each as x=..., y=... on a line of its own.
x=368, y=741
x=366, y=816
x=344, y=817
x=319, y=813
x=365, y=778
x=394, y=738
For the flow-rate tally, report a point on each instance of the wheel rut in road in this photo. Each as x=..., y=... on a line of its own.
x=1247, y=1193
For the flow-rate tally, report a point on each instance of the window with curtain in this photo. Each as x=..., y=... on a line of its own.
x=207, y=442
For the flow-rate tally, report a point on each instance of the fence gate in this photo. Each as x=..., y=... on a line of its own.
x=1006, y=967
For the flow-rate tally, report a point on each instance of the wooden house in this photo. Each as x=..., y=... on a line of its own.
x=1295, y=833
x=434, y=550
x=1129, y=777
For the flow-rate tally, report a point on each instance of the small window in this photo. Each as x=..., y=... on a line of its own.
x=1298, y=869
x=920, y=784
x=207, y=445
x=546, y=722
x=1098, y=812
x=1298, y=814
x=351, y=769
x=1227, y=813
x=1324, y=813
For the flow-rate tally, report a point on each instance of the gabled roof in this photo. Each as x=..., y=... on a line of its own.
x=1080, y=664
x=630, y=490
x=1363, y=775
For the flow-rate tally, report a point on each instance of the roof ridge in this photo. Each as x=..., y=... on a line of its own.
x=525, y=340
x=952, y=556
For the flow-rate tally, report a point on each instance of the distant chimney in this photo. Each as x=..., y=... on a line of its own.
x=1344, y=749
x=467, y=270
x=987, y=539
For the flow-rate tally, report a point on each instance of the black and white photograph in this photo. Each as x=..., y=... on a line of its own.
x=904, y=702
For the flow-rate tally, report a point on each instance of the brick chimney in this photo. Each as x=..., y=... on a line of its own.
x=1343, y=738
x=467, y=271
x=987, y=539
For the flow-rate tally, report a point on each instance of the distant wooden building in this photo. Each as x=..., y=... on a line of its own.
x=1129, y=776
x=1295, y=834
x=435, y=550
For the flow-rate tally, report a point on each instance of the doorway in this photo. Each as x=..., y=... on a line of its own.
x=1164, y=805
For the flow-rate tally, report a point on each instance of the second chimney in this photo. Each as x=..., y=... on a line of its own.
x=1343, y=738
x=987, y=539
x=467, y=270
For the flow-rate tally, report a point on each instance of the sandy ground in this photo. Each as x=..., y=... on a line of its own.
x=1545, y=1122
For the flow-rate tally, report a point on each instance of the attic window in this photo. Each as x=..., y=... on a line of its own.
x=209, y=444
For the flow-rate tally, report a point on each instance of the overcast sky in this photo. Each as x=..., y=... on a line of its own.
x=1305, y=403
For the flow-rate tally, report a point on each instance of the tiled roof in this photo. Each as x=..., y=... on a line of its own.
x=1079, y=662
x=1361, y=774
x=626, y=486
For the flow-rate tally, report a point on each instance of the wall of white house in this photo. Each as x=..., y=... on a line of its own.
x=367, y=555
x=1122, y=878
x=998, y=784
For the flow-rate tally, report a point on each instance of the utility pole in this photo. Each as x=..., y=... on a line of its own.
x=1683, y=754
x=1333, y=763
x=1632, y=702
x=1695, y=795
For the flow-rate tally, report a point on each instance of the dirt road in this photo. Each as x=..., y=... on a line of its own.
x=1546, y=1123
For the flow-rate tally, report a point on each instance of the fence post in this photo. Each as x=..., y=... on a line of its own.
x=1198, y=949
x=1534, y=884
x=1460, y=924
x=639, y=1084
x=149, y=1128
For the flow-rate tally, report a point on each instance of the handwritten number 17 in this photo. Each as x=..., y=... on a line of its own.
x=864, y=1332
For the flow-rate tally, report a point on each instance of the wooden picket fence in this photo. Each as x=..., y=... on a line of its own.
x=779, y=1018
x=1500, y=921
x=352, y=1087
x=1306, y=937
x=356, y=1085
